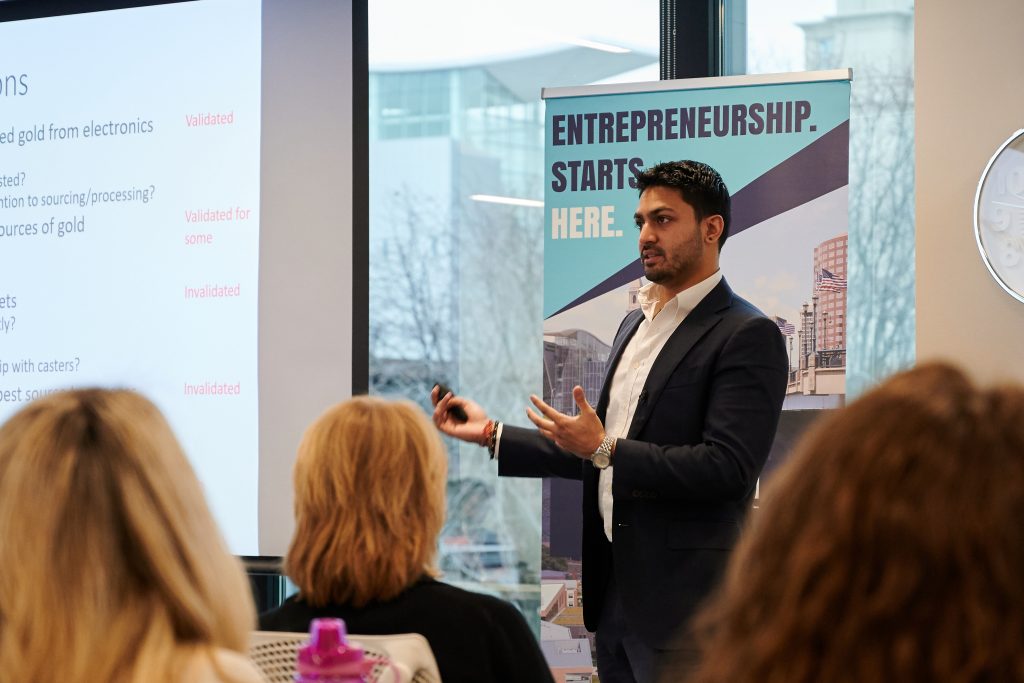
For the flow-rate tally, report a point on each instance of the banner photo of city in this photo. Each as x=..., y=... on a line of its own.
x=782, y=146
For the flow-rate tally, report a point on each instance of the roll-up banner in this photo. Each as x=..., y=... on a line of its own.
x=781, y=143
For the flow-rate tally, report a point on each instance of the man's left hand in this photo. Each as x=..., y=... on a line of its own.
x=580, y=434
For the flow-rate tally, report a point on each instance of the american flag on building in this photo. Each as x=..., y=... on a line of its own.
x=827, y=281
x=785, y=327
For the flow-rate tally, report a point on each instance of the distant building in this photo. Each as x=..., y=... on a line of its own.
x=570, y=660
x=553, y=600
x=571, y=358
x=874, y=36
x=571, y=592
x=572, y=617
x=819, y=377
x=830, y=259
x=633, y=296
x=552, y=631
x=571, y=588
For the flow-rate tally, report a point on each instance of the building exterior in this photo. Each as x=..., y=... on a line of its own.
x=570, y=660
x=553, y=600
x=552, y=631
x=571, y=358
x=570, y=585
x=830, y=258
x=818, y=373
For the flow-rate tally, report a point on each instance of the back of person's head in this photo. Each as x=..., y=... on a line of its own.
x=369, y=502
x=700, y=185
x=890, y=547
x=111, y=566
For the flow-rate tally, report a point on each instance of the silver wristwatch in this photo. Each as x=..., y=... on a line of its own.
x=602, y=457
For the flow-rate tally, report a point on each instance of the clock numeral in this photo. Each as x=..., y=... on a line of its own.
x=1010, y=254
x=998, y=219
x=1011, y=181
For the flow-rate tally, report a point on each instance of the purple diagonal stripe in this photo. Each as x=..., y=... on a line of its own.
x=633, y=271
x=814, y=171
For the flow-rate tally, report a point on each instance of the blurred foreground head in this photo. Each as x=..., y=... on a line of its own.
x=369, y=502
x=112, y=566
x=890, y=547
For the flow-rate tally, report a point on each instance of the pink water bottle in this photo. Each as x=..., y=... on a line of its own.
x=328, y=658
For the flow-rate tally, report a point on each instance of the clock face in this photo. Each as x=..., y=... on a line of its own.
x=999, y=215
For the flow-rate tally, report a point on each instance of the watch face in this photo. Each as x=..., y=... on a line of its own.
x=601, y=460
x=999, y=215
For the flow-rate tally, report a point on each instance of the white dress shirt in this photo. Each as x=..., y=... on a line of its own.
x=635, y=365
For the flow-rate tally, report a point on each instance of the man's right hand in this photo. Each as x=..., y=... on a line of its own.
x=472, y=430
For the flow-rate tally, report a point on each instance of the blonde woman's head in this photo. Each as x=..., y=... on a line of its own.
x=111, y=560
x=369, y=502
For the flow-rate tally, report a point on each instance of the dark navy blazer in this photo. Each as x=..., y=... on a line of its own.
x=685, y=474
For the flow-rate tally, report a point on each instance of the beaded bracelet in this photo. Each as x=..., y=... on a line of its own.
x=485, y=435
x=493, y=441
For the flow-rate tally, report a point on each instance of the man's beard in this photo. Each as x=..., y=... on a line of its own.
x=677, y=265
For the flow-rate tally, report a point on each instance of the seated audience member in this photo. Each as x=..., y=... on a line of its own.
x=369, y=505
x=890, y=546
x=113, y=570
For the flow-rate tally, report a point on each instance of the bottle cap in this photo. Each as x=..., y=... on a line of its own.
x=328, y=655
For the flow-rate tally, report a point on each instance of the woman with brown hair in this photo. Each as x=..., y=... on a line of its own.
x=890, y=547
x=113, y=570
x=369, y=505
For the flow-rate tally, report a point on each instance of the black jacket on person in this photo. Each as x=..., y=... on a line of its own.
x=474, y=637
x=685, y=473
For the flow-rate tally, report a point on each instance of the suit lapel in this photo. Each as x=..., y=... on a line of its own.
x=696, y=324
x=629, y=328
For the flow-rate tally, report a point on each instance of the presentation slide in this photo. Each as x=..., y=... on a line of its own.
x=117, y=268
x=130, y=238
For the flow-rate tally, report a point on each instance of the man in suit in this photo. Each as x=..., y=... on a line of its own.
x=671, y=455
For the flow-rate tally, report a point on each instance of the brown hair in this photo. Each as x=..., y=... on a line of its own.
x=889, y=548
x=369, y=502
x=112, y=566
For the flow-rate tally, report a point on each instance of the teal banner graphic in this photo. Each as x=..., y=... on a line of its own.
x=781, y=143
x=594, y=144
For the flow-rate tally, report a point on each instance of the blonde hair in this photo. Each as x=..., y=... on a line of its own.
x=889, y=548
x=113, y=569
x=369, y=502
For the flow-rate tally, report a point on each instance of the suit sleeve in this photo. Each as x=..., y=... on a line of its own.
x=525, y=453
x=747, y=387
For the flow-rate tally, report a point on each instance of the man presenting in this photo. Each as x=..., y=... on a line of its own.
x=671, y=455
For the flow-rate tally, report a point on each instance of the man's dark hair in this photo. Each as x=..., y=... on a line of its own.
x=700, y=185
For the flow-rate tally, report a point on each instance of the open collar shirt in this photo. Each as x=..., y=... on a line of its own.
x=635, y=365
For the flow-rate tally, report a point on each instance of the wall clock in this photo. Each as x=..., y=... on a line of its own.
x=999, y=215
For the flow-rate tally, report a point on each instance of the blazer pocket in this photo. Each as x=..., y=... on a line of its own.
x=693, y=534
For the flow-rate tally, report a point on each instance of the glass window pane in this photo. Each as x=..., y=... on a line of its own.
x=875, y=39
x=455, y=283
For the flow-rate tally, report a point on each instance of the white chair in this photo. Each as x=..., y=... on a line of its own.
x=407, y=655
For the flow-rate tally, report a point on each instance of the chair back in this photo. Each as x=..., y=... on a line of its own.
x=399, y=658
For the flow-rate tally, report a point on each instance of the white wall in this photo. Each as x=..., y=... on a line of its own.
x=969, y=92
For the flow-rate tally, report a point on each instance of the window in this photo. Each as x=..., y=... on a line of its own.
x=455, y=283
x=875, y=38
